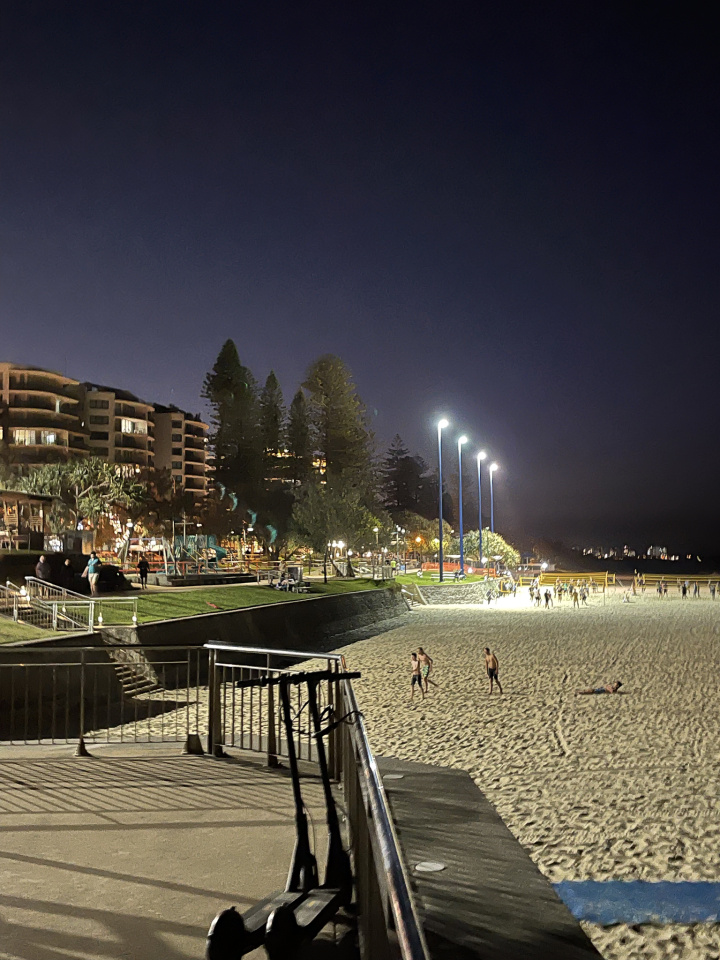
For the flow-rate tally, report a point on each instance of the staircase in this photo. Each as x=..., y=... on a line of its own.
x=135, y=680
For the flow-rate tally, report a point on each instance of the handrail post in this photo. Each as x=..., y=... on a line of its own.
x=81, y=751
x=214, y=747
x=91, y=613
x=55, y=618
x=272, y=757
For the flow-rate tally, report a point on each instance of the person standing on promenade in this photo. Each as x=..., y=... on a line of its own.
x=92, y=572
x=416, y=677
x=43, y=570
x=143, y=570
x=492, y=667
x=426, y=667
x=67, y=575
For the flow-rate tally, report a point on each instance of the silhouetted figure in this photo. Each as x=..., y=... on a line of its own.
x=143, y=570
x=67, y=575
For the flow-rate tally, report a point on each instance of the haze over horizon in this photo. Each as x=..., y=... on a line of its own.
x=505, y=216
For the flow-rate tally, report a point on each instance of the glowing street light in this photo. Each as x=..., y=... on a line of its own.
x=492, y=468
x=461, y=440
x=442, y=424
x=480, y=457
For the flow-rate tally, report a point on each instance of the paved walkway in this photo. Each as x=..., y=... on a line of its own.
x=127, y=856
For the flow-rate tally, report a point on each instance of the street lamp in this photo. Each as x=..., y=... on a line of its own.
x=461, y=440
x=480, y=457
x=440, y=427
x=492, y=468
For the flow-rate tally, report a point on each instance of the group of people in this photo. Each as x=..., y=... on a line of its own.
x=43, y=571
x=422, y=664
x=577, y=592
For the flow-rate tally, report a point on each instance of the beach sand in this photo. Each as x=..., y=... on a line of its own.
x=620, y=786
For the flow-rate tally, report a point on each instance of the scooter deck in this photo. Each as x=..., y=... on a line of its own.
x=318, y=908
x=256, y=918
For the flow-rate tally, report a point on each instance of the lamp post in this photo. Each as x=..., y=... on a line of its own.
x=440, y=427
x=480, y=457
x=492, y=468
x=461, y=441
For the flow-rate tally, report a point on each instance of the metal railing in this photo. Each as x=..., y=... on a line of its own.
x=132, y=694
x=108, y=610
x=48, y=615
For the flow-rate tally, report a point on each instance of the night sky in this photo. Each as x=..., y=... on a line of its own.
x=504, y=213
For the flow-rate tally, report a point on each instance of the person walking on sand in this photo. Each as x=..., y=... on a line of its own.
x=426, y=667
x=610, y=688
x=575, y=597
x=712, y=591
x=416, y=678
x=492, y=667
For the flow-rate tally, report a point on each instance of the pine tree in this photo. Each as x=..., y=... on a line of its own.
x=298, y=439
x=231, y=391
x=404, y=485
x=337, y=417
x=272, y=415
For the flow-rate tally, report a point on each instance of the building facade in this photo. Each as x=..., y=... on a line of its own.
x=119, y=425
x=181, y=441
x=41, y=414
x=46, y=417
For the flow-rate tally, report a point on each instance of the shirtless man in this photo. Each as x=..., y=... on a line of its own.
x=416, y=678
x=610, y=688
x=426, y=666
x=492, y=666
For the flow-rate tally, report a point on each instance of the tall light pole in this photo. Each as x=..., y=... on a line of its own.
x=480, y=457
x=440, y=427
x=461, y=440
x=493, y=467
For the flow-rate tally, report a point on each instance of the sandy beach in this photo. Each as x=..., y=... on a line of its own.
x=595, y=787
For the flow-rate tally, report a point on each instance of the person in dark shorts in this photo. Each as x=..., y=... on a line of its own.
x=416, y=676
x=493, y=667
x=610, y=688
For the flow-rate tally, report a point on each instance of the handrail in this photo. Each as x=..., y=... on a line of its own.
x=45, y=584
x=297, y=654
x=408, y=927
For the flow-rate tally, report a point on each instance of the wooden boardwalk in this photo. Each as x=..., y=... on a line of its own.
x=490, y=901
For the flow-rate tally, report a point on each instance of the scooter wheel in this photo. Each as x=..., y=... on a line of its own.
x=226, y=937
x=282, y=934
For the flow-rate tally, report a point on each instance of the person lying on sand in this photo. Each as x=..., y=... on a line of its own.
x=610, y=688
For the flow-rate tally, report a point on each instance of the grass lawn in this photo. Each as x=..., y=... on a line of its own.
x=427, y=579
x=11, y=632
x=174, y=603
x=187, y=603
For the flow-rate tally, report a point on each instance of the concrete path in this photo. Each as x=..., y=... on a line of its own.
x=127, y=856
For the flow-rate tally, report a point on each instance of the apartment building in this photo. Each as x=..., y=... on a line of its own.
x=119, y=426
x=181, y=446
x=46, y=417
x=41, y=414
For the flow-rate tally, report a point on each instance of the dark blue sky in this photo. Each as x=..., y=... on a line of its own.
x=507, y=213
